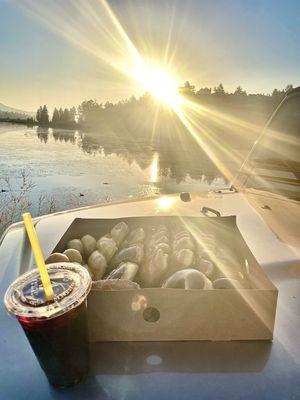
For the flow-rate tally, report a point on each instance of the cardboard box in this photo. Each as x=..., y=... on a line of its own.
x=156, y=314
x=116, y=358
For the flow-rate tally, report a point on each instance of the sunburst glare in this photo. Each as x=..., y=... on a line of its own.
x=159, y=83
x=100, y=33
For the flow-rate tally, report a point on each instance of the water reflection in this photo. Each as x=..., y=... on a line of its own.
x=64, y=135
x=69, y=169
x=43, y=134
x=160, y=160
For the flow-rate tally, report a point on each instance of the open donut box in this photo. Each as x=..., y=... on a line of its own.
x=167, y=314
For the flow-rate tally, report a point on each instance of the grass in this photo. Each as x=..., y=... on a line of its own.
x=15, y=200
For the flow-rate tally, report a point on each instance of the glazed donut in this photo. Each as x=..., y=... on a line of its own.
x=125, y=270
x=227, y=283
x=206, y=267
x=97, y=263
x=188, y=279
x=73, y=255
x=89, y=244
x=56, y=258
x=75, y=244
x=119, y=232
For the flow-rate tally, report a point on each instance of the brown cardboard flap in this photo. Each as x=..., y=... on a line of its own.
x=145, y=357
x=183, y=315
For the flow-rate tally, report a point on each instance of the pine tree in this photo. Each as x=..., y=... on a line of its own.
x=204, y=91
x=219, y=90
x=278, y=93
x=187, y=89
x=66, y=116
x=73, y=114
x=288, y=88
x=60, y=115
x=108, y=104
x=39, y=114
x=55, y=116
x=44, y=120
x=240, y=92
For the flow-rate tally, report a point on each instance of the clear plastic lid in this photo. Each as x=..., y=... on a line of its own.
x=25, y=297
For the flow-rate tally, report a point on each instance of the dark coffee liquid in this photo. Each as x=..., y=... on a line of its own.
x=60, y=345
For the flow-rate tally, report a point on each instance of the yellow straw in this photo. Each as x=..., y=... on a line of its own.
x=39, y=259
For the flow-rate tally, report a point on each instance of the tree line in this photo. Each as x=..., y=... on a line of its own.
x=91, y=113
x=189, y=89
x=60, y=117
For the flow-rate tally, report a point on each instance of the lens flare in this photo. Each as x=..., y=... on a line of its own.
x=159, y=83
x=96, y=29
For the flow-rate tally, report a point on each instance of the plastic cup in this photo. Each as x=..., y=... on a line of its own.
x=57, y=330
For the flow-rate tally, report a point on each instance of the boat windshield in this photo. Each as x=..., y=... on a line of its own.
x=274, y=164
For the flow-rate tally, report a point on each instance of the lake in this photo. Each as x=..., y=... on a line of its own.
x=71, y=169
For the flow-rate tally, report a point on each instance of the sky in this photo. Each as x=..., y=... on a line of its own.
x=61, y=52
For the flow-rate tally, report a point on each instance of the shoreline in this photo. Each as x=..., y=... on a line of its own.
x=34, y=123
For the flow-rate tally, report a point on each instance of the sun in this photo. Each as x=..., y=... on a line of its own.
x=159, y=83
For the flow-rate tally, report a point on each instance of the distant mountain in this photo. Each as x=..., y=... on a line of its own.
x=7, y=109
